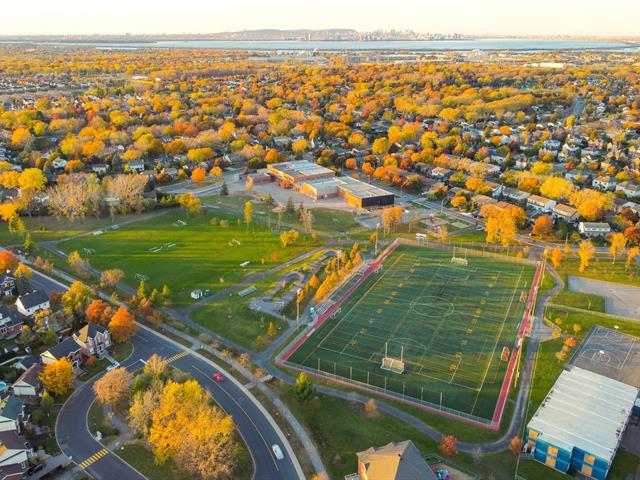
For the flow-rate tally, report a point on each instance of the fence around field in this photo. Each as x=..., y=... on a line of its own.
x=475, y=250
x=381, y=384
x=384, y=386
x=567, y=308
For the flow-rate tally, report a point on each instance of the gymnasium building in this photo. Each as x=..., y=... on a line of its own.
x=318, y=182
x=581, y=422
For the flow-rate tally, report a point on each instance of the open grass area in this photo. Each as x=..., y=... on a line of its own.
x=448, y=322
x=186, y=252
x=232, y=318
x=602, y=268
x=586, y=301
x=141, y=458
x=97, y=422
x=624, y=466
x=566, y=320
x=341, y=429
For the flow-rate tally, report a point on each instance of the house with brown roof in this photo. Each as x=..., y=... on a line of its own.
x=394, y=461
x=565, y=212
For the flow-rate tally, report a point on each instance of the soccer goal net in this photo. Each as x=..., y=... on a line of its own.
x=391, y=364
x=459, y=260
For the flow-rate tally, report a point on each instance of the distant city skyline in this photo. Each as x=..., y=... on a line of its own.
x=614, y=18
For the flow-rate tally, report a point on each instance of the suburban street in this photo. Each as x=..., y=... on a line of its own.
x=254, y=424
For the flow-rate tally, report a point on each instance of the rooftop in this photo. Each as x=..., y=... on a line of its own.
x=300, y=169
x=595, y=423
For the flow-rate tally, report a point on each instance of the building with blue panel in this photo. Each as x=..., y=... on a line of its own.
x=580, y=424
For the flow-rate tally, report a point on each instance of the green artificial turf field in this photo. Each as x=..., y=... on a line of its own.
x=185, y=252
x=449, y=322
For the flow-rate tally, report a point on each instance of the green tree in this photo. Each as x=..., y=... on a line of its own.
x=291, y=208
x=224, y=191
x=304, y=388
x=46, y=403
x=28, y=243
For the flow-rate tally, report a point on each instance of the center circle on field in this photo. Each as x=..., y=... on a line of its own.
x=430, y=306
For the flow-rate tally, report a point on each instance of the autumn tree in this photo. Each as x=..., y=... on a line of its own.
x=32, y=179
x=543, y=226
x=289, y=237
x=155, y=367
x=78, y=264
x=515, y=445
x=303, y=389
x=76, y=298
x=111, y=277
x=617, y=244
x=57, y=377
x=247, y=213
x=112, y=387
x=99, y=312
x=197, y=436
x=22, y=272
x=122, y=325
x=190, y=202
x=631, y=256
x=556, y=257
x=8, y=261
x=448, y=445
x=586, y=251
x=198, y=175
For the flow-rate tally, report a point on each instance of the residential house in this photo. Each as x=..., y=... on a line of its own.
x=100, y=168
x=594, y=229
x=604, y=182
x=67, y=348
x=515, y=195
x=94, y=340
x=14, y=456
x=28, y=384
x=496, y=188
x=394, y=461
x=565, y=212
x=32, y=302
x=629, y=189
x=440, y=173
x=11, y=414
x=7, y=285
x=480, y=200
x=540, y=204
x=10, y=322
x=136, y=166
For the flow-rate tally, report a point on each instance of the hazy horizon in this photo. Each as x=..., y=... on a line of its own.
x=486, y=18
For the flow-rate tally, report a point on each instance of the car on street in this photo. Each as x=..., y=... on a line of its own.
x=218, y=377
x=113, y=366
x=277, y=451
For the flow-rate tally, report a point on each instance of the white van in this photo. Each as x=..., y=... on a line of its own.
x=277, y=452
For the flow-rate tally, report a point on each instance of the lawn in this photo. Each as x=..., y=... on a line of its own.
x=341, y=429
x=186, y=252
x=586, y=301
x=602, y=268
x=136, y=454
x=566, y=320
x=232, y=318
x=48, y=228
x=450, y=338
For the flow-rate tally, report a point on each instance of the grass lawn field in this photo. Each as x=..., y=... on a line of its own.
x=602, y=268
x=185, y=257
x=586, y=301
x=450, y=323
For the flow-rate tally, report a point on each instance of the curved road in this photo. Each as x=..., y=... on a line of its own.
x=252, y=422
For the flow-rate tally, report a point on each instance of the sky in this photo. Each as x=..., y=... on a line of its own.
x=481, y=17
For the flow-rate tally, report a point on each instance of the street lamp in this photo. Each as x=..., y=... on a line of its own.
x=376, y=247
x=298, y=293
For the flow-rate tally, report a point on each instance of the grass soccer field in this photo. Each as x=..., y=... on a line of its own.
x=449, y=323
x=185, y=252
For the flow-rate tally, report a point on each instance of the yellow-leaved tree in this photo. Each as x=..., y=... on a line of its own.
x=57, y=377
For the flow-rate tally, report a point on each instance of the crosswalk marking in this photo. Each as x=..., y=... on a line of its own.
x=177, y=356
x=93, y=458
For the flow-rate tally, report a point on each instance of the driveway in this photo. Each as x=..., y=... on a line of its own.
x=623, y=300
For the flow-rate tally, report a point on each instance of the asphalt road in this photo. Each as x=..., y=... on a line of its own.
x=251, y=421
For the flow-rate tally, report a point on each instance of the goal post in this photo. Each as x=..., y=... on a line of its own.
x=391, y=364
x=459, y=260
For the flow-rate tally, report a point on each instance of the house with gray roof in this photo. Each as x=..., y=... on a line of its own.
x=11, y=413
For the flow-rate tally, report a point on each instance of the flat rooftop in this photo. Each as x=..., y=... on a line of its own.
x=585, y=410
x=361, y=189
x=610, y=353
x=300, y=169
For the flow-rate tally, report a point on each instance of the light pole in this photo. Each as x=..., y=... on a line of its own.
x=298, y=292
x=376, y=247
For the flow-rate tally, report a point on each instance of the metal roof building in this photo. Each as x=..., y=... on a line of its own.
x=580, y=423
